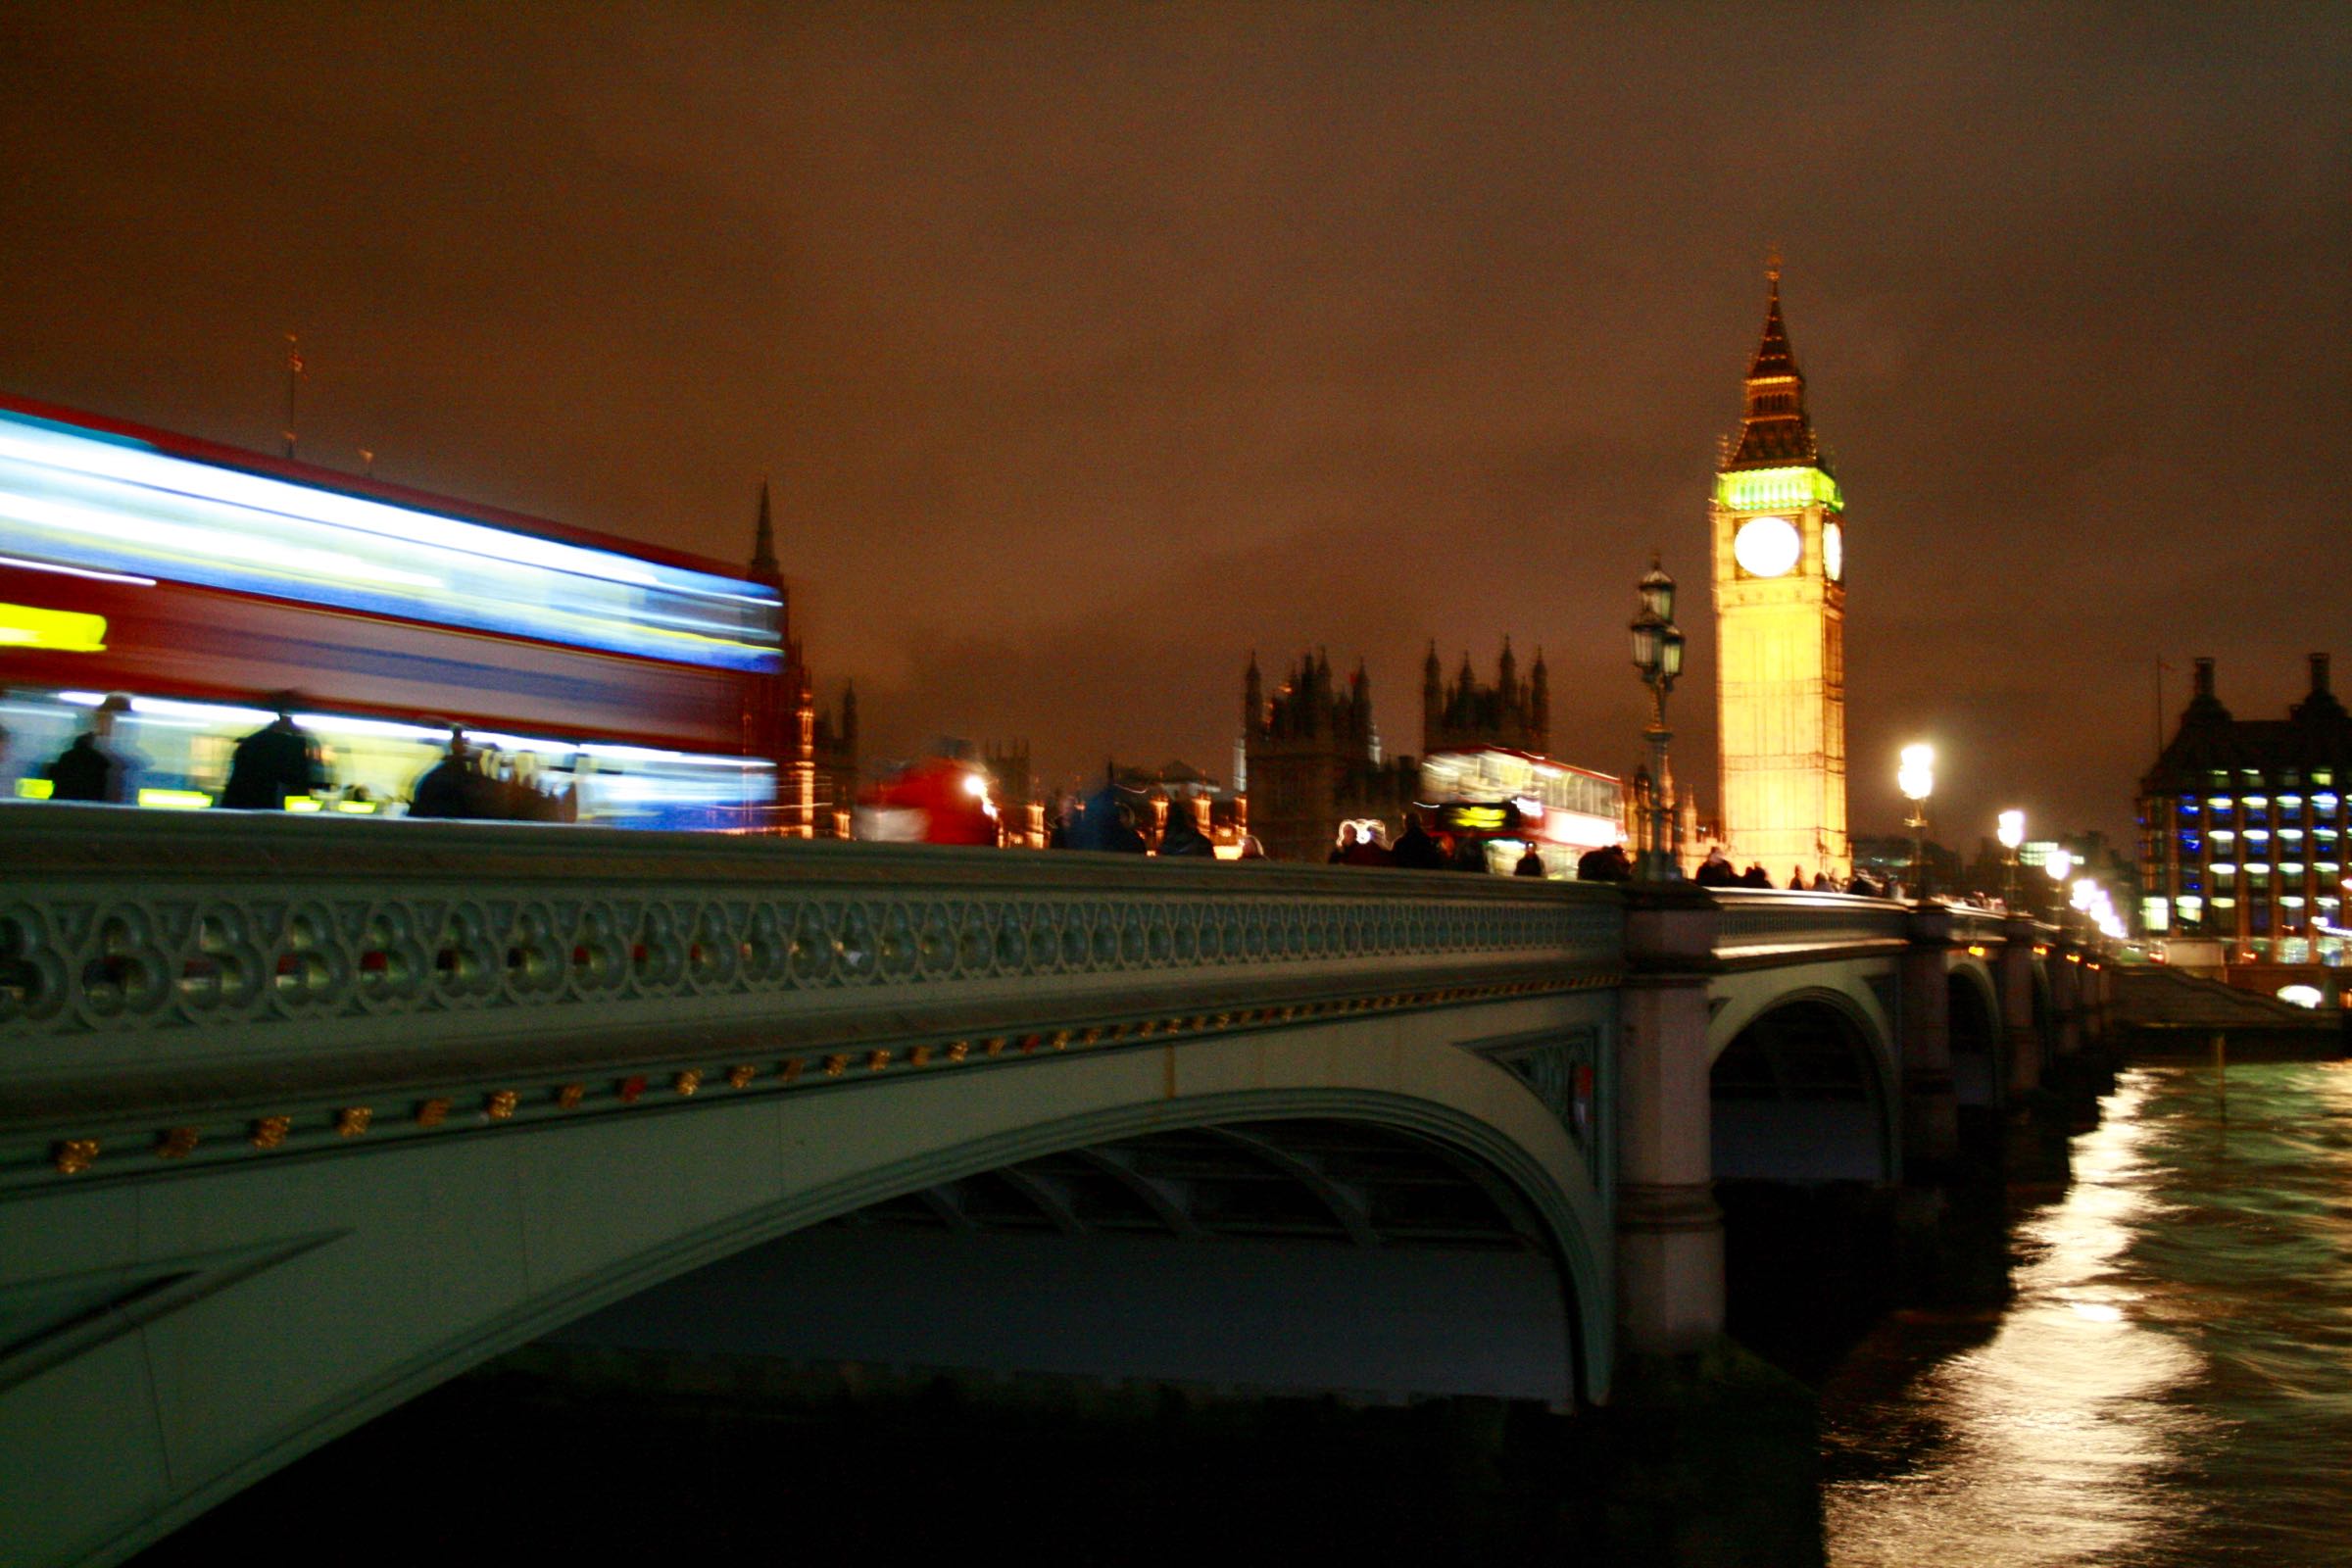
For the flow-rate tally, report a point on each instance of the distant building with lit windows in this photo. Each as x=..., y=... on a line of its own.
x=2243, y=825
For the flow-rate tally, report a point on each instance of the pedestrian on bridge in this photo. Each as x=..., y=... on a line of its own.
x=1184, y=835
x=94, y=767
x=275, y=763
x=1415, y=850
x=1368, y=850
x=453, y=788
x=1607, y=863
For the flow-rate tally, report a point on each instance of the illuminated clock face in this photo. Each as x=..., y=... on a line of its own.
x=1766, y=546
x=1833, y=551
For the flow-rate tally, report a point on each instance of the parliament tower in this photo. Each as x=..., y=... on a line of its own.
x=1779, y=620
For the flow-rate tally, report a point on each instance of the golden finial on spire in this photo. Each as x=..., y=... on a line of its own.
x=1772, y=263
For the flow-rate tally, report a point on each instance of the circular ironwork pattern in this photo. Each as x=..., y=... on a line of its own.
x=237, y=958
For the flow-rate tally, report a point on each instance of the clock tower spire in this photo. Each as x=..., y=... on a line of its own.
x=1778, y=520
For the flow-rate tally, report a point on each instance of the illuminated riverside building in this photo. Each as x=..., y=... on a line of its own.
x=2243, y=824
x=1779, y=560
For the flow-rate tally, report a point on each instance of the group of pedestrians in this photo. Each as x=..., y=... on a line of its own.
x=283, y=762
x=277, y=760
x=474, y=784
x=1716, y=872
x=1111, y=819
x=1418, y=850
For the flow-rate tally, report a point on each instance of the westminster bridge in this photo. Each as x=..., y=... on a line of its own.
x=300, y=1117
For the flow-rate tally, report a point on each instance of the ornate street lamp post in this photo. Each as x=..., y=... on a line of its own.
x=1916, y=778
x=2012, y=833
x=1658, y=656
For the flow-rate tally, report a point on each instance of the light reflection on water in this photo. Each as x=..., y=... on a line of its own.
x=2172, y=1382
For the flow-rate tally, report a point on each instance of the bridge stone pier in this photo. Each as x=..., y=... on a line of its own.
x=302, y=1116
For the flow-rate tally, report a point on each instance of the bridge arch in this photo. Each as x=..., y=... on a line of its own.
x=1974, y=1020
x=439, y=1255
x=1806, y=1090
x=1337, y=1253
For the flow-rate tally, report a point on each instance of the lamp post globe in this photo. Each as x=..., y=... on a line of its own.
x=1916, y=778
x=2011, y=830
x=2057, y=869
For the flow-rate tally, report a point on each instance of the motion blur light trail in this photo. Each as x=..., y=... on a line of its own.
x=2173, y=1381
x=73, y=498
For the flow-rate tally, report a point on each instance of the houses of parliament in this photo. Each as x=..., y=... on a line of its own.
x=1312, y=751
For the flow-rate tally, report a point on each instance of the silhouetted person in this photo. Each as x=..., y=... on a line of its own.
x=1608, y=863
x=92, y=768
x=1862, y=887
x=1797, y=879
x=273, y=762
x=452, y=787
x=1416, y=849
x=1530, y=863
x=1252, y=849
x=1101, y=823
x=1822, y=883
x=1341, y=847
x=1756, y=876
x=1715, y=871
x=1367, y=850
x=1184, y=835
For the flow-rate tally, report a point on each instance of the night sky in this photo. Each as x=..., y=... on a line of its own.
x=1090, y=347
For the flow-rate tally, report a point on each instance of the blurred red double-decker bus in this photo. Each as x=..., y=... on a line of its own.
x=1509, y=801
x=189, y=579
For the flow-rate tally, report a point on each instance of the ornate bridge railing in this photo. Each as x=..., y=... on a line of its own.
x=201, y=987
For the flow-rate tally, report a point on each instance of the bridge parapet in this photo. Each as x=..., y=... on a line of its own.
x=1766, y=928
x=296, y=969
x=1982, y=928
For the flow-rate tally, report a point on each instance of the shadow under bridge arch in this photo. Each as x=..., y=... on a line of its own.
x=1354, y=1246
x=1801, y=1094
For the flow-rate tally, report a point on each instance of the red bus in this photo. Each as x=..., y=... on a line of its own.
x=1507, y=800
x=191, y=578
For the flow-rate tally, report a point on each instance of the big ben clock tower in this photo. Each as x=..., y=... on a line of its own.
x=1780, y=623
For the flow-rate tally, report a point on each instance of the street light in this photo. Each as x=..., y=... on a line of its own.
x=1658, y=656
x=1916, y=778
x=2058, y=865
x=2012, y=833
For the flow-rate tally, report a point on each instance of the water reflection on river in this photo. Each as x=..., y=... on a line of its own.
x=2173, y=1381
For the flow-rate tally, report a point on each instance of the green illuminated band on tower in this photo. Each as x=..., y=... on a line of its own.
x=1776, y=489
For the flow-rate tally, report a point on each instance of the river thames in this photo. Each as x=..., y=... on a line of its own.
x=2172, y=1382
